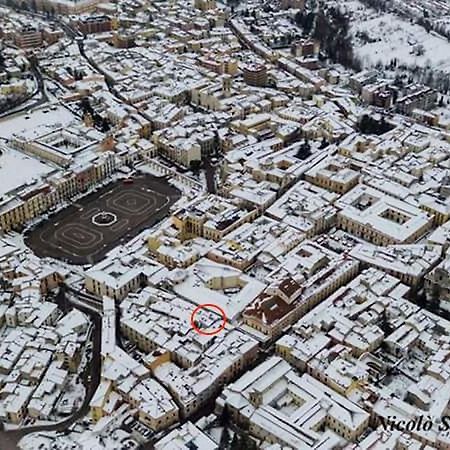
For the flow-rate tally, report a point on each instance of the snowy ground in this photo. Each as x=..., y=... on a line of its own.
x=55, y=115
x=395, y=37
x=30, y=169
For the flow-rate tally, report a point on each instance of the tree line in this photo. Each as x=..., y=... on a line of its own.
x=331, y=27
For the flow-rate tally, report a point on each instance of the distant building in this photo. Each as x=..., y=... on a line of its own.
x=28, y=37
x=93, y=24
x=205, y=5
x=378, y=94
x=360, y=79
x=437, y=282
x=255, y=74
x=305, y=47
x=417, y=97
x=65, y=6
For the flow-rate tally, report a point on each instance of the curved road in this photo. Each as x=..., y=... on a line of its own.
x=9, y=439
x=23, y=105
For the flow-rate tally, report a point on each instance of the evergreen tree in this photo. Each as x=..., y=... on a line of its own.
x=235, y=443
x=304, y=150
x=434, y=300
x=225, y=438
x=324, y=143
x=194, y=165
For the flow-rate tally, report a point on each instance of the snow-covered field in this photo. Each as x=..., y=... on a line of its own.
x=394, y=37
x=17, y=169
x=53, y=115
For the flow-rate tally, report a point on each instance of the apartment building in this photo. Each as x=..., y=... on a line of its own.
x=93, y=24
x=28, y=37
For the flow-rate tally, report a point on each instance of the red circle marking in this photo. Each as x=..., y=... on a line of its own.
x=211, y=306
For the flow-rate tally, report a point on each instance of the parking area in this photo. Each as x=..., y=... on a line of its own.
x=85, y=231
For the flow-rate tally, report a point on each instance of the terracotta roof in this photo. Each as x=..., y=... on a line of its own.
x=289, y=286
x=268, y=309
